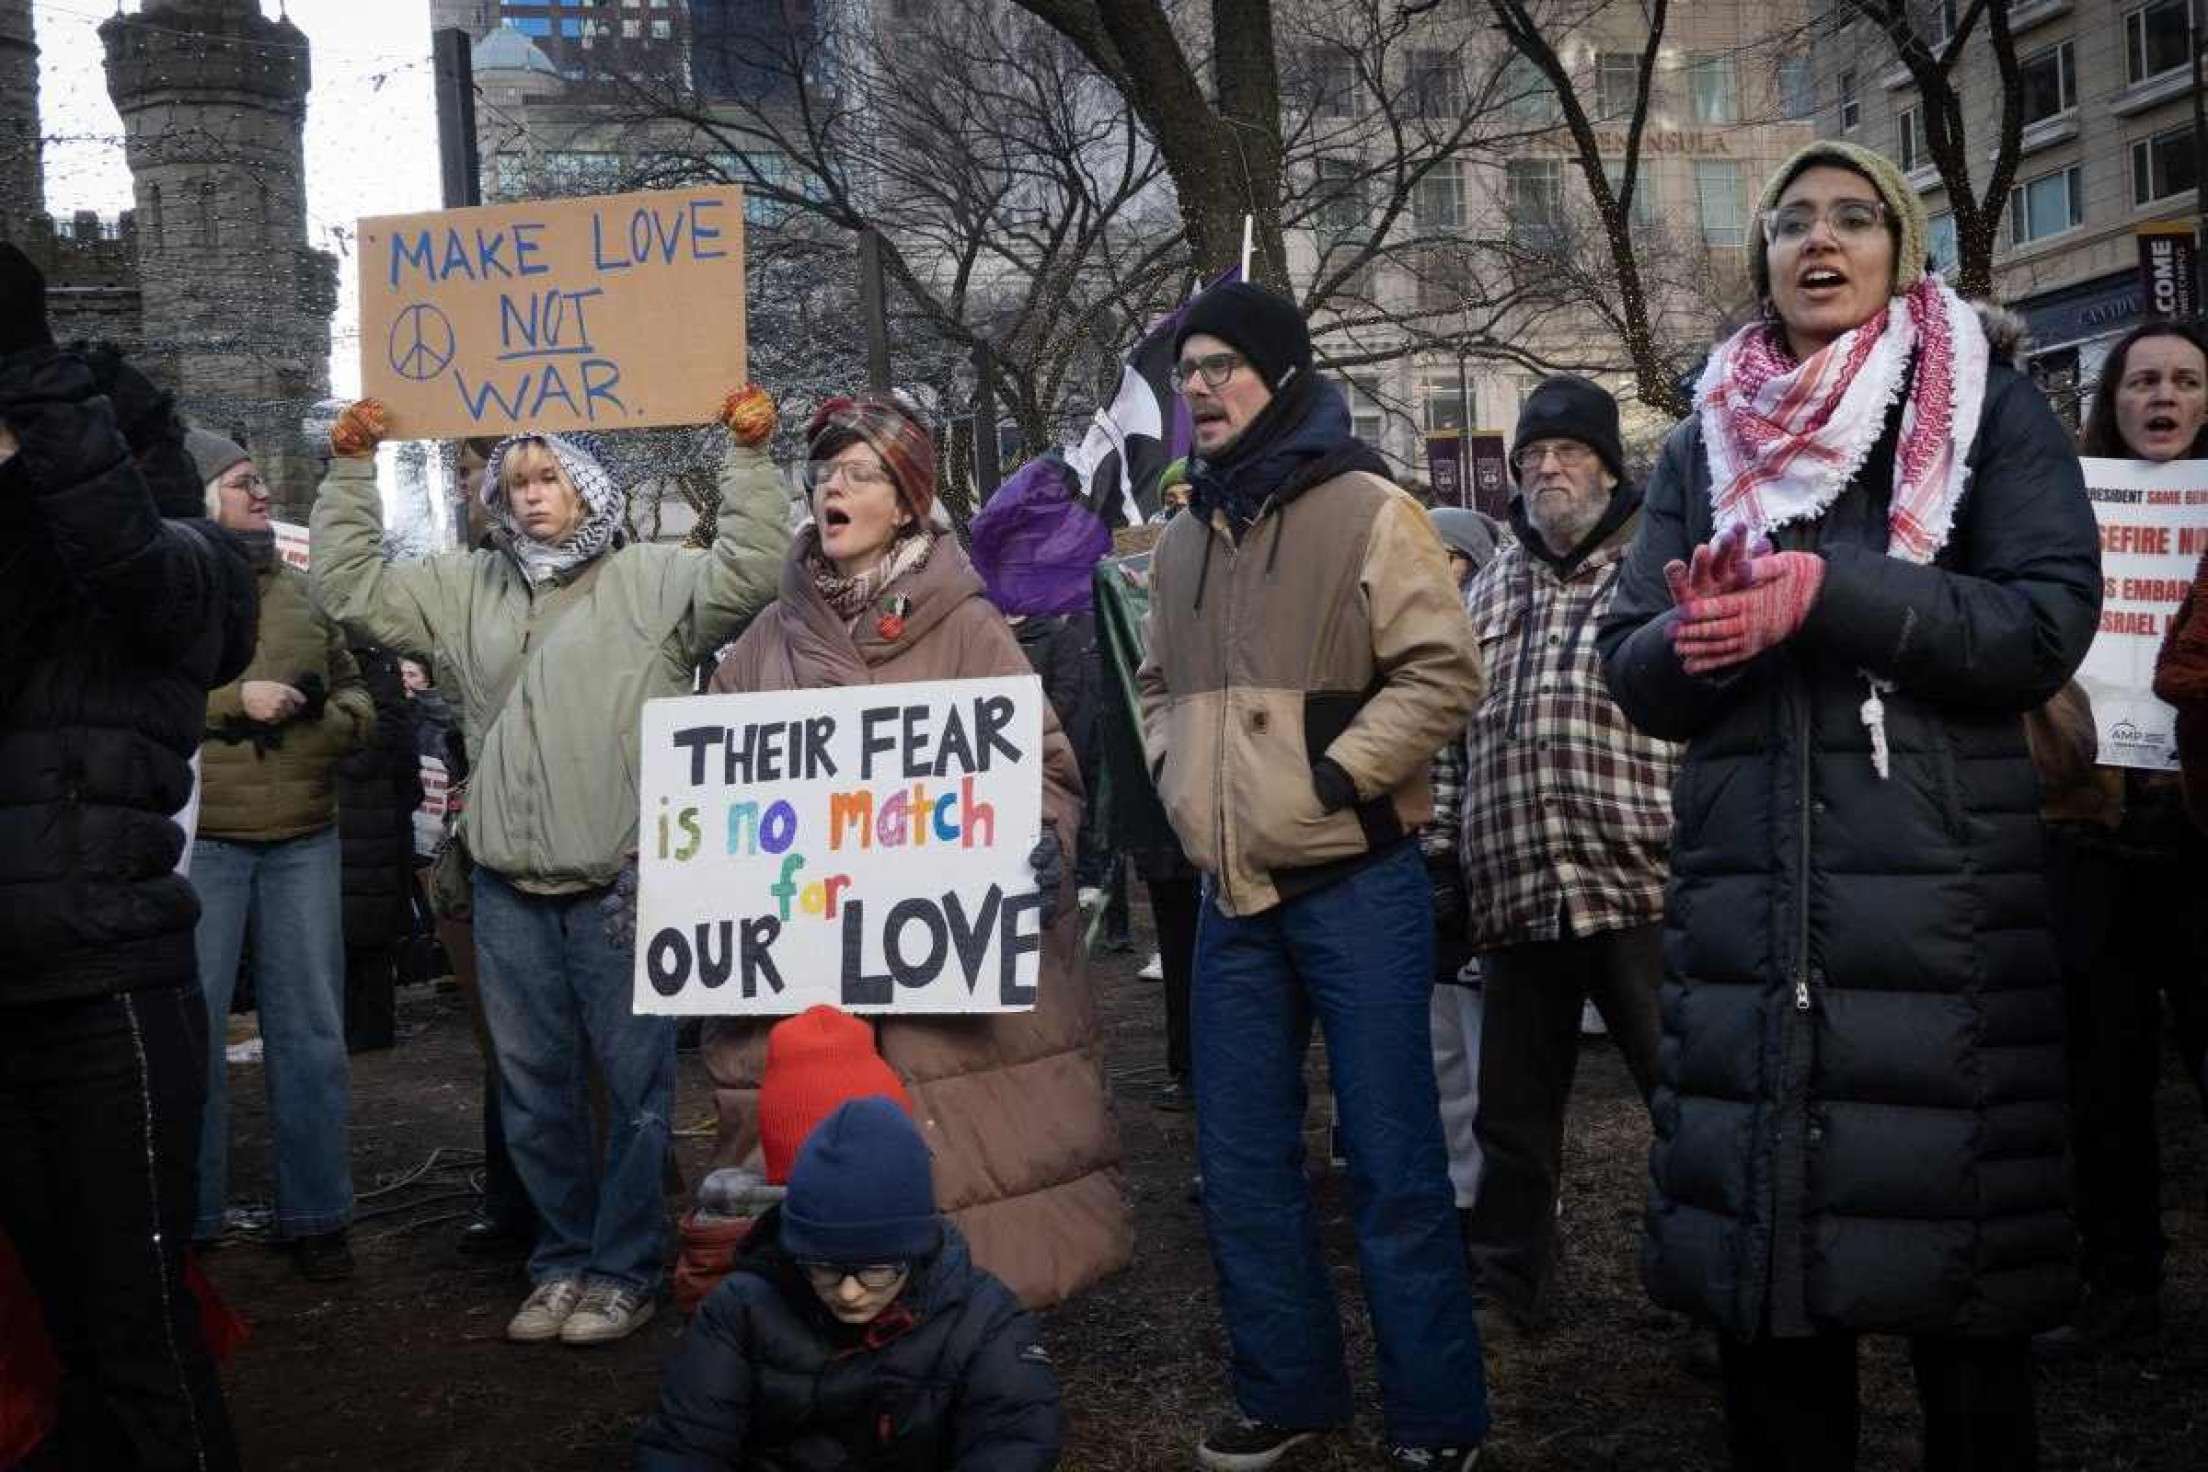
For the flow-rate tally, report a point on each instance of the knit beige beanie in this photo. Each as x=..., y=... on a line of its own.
x=1901, y=202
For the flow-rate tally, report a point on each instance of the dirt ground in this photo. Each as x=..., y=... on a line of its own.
x=406, y=1366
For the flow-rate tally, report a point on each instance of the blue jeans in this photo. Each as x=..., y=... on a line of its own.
x=290, y=893
x=1357, y=957
x=556, y=994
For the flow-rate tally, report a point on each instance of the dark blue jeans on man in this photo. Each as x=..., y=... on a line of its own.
x=556, y=994
x=1357, y=958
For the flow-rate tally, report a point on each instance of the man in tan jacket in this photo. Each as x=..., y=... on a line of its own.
x=1308, y=657
x=267, y=861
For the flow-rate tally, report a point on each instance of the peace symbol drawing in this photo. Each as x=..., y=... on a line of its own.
x=421, y=342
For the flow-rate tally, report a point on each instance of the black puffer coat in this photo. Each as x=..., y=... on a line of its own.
x=378, y=788
x=1859, y=1123
x=767, y=1381
x=119, y=623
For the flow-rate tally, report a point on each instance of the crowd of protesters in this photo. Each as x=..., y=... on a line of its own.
x=1772, y=759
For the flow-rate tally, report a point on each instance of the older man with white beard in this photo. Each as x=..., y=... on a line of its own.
x=1567, y=826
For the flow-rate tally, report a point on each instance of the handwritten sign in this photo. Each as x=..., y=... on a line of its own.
x=865, y=847
x=2154, y=522
x=616, y=312
x=291, y=543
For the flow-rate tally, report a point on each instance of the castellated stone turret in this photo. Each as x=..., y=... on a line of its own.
x=20, y=162
x=235, y=306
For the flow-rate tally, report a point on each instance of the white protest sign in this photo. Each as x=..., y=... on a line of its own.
x=291, y=543
x=2154, y=522
x=866, y=847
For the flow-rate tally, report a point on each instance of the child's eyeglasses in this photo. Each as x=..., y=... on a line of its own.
x=829, y=1276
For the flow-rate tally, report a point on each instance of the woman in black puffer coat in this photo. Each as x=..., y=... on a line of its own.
x=1859, y=1124
x=378, y=788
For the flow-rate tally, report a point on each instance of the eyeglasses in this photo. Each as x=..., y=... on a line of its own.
x=1569, y=456
x=250, y=481
x=829, y=1276
x=816, y=474
x=1214, y=368
x=1850, y=219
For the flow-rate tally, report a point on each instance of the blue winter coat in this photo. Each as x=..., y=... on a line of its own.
x=767, y=1381
x=1859, y=1123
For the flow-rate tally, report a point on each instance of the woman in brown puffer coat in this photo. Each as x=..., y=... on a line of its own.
x=1013, y=1105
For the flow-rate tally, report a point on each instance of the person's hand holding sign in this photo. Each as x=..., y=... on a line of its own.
x=359, y=430
x=749, y=415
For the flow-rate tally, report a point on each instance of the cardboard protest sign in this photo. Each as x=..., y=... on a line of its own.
x=2154, y=522
x=865, y=847
x=614, y=312
x=291, y=543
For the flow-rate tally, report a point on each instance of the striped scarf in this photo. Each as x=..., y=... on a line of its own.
x=1785, y=438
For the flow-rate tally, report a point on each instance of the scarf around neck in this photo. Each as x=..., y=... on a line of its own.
x=850, y=597
x=1785, y=438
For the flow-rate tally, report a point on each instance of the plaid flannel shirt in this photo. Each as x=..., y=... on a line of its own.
x=1567, y=807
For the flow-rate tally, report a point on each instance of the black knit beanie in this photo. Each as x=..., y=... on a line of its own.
x=1568, y=407
x=1264, y=326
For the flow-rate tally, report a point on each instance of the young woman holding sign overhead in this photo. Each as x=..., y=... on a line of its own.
x=2124, y=858
x=1013, y=1105
x=554, y=637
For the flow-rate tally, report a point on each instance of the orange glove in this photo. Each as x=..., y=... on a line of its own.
x=749, y=415
x=359, y=430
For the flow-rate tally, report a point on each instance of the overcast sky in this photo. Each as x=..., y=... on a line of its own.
x=371, y=127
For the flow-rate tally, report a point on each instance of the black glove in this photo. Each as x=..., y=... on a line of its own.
x=618, y=909
x=23, y=321
x=317, y=693
x=1333, y=786
x=1049, y=865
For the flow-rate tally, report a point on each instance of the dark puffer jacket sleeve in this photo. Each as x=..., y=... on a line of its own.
x=1008, y=1417
x=157, y=586
x=2006, y=635
x=1643, y=671
x=705, y=1397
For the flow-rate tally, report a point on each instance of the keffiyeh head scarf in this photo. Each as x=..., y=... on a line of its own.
x=604, y=504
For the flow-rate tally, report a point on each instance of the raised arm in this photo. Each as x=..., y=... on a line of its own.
x=400, y=605
x=751, y=530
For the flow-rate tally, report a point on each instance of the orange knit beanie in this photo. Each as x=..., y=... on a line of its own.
x=816, y=1060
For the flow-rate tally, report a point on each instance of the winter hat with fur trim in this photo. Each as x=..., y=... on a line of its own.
x=1885, y=176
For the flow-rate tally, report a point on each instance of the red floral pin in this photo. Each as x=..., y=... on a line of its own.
x=891, y=624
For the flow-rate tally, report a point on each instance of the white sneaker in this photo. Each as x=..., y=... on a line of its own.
x=608, y=1312
x=1090, y=898
x=1152, y=969
x=545, y=1311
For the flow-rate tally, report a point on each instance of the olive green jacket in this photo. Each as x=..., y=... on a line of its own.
x=552, y=792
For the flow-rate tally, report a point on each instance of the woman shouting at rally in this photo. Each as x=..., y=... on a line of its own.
x=1858, y=1120
x=1012, y=1104
x=554, y=637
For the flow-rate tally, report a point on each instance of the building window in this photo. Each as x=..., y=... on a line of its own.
x=1713, y=88
x=2163, y=165
x=1909, y=148
x=1437, y=200
x=2154, y=39
x=631, y=29
x=1720, y=201
x=2046, y=206
x=1939, y=239
x=1333, y=83
x=1441, y=401
x=1526, y=93
x=1851, y=103
x=1797, y=86
x=662, y=30
x=2050, y=83
x=1367, y=421
x=1431, y=85
x=1939, y=22
x=205, y=236
x=1342, y=214
x=1536, y=200
x=1643, y=214
x=1617, y=83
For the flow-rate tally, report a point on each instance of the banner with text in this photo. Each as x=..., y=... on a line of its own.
x=613, y=312
x=865, y=847
x=2154, y=522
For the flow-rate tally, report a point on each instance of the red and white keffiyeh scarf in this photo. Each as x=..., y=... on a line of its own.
x=1785, y=438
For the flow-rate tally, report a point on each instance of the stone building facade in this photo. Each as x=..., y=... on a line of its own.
x=209, y=279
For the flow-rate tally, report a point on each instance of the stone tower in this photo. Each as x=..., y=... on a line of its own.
x=236, y=306
x=21, y=170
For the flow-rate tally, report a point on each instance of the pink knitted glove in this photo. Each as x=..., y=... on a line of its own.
x=1720, y=566
x=1712, y=633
